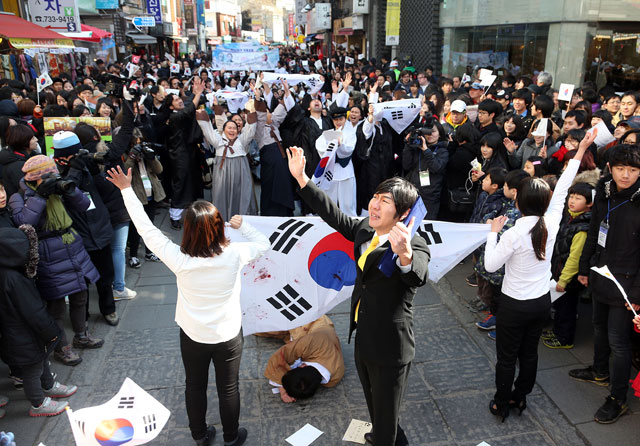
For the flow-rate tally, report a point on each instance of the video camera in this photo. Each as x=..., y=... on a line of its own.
x=62, y=186
x=142, y=151
x=416, y=134
x=113, y=86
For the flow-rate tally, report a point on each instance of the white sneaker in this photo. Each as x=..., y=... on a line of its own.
x=124, y=294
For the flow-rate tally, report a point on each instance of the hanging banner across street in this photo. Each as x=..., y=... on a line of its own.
x=311, y=268
x=244, y=56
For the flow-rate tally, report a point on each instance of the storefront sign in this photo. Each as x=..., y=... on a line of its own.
x=153, y=8
x=291, y=24
x=361, y=6
x=393, y=23
x=57, y=15
x=144, y=22
x=107, y=4
x=41, y=43
x=323, y=16
x=118, y=29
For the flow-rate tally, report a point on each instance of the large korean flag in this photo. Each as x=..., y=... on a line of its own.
x=311, y=268
x=132, y=417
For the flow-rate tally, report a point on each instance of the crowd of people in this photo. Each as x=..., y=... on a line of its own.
x=475, y=153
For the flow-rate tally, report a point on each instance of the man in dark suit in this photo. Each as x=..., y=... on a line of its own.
x=381, y=306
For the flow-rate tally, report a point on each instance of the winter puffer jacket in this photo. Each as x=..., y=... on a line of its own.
x=63, y=269
x=622, y=251
x=26, y=326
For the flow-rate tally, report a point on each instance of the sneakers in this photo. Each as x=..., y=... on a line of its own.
x=48, y=408
x=112, y=319
x=175, y=224
x=208, y=438
x=547, y=334
x=589, y=375
x=611, y=410
x=240, y=439
x=67, y=356
x=60, y=391
x=488, y=324
x=87, y=341
x=151, y=257
x=3, y=400
x=17, y=381
x=472, y=280
x=134, y=263
x=492, y=335
x=553, y=342
x=125, y=294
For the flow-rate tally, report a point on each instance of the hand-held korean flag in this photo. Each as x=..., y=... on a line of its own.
x=604, y=271
x=399, y=114
x=323, y=175
x=175, y=68
x=132, y=417
x=44, y=81
x=135, y=59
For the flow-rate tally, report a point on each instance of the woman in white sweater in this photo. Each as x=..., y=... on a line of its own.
x=207, y=268
x=525, y=250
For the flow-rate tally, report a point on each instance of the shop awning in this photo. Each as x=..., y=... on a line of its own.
x=142, y=39
x=24, y=34
x=89, y=34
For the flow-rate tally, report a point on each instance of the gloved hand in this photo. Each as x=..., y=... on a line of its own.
x=77, y=163
x=47, y=187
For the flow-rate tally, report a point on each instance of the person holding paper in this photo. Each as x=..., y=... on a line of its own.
x=381, y=306
x=525, y=251
x=612, y=241
x=541, y=138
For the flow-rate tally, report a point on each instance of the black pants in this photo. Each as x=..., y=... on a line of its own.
x=519, y=325
x=196, y=358
x=383, y=387
x=77, y=313
x=103, y=262
x=564, y=321
x=36, y=377
x=134, y=237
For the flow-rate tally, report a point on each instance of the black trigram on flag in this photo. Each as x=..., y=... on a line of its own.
x=149, y=423
x=126, y=402
x=396, y=114
x=289, y=303
x=328, y=175
x=288, y=234
x=429, y=234
x=80, y=425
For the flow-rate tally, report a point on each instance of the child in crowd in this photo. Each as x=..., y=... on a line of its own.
x=29, y=333
x=535, y=166
x=564, y=265
x=489, y=284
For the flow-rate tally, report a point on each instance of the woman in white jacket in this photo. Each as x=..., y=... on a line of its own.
x=207, y=268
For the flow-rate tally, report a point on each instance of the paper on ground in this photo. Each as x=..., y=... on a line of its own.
x=305, y=436
x=604, y=271
x=555, y=295
x=356, y=430
x=484, y=443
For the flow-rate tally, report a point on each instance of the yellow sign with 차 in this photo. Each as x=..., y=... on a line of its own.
x=393, y=22
x=300, y=38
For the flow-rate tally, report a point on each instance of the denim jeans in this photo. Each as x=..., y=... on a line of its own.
x=36, y=377
x=118, y=247
x=196, y=358
x=612, y=330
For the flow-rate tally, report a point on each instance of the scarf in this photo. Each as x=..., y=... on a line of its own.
x=57, y=218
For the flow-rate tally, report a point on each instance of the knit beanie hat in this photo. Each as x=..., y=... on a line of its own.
x=65, y=143
x=37, y=166
x=9, y=108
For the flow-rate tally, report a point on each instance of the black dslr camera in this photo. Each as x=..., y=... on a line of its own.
x=142, y=151
x=98, y=157
x=62, y=186
x=415, y=134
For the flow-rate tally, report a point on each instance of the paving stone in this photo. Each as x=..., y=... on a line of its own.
x=443, y=344
x=155, y=294
x=146, y=342
x=249, y=368
x=469, y=418
x=423, y=423
x=149, y=373
x=148, y=316
x=158, y=280
x=432, y=318
x=529, y=439
x=427, y=296
x=625, y=431
x=275, y=430
x=553, y=421
x=458, y=375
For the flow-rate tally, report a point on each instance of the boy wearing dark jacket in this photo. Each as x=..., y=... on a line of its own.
x=28, y=331
x=613, y=241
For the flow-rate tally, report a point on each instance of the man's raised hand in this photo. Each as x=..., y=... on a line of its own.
x=297, y=162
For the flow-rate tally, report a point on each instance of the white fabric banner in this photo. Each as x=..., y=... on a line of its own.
x=236, y=100
x=310, y=268
x=312, y=81
x=399, y=114
x=131, y=417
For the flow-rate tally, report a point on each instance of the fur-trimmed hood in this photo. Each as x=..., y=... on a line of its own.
x=591, y=177
x=19, y=249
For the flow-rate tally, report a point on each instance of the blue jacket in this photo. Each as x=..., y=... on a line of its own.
x=488, y=204
x=63, y=269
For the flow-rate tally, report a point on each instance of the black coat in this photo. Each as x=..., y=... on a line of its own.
x=435, y=160
x=12, y=162
x=622, y=251
x=26, y=326
x=460, y=164
x=385, y=314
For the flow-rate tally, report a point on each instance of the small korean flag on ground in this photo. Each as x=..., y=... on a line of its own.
x=44, y=81
x=132, y=417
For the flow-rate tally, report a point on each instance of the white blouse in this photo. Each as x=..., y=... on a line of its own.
x=526, y=277
x=208, y=308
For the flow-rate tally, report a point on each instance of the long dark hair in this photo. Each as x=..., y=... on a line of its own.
x=533, y=199
x=203, y=230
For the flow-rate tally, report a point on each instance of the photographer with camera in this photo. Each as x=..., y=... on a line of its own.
x=145, y=168
x=424, y=161
x=94, y=225
x=46, y=201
